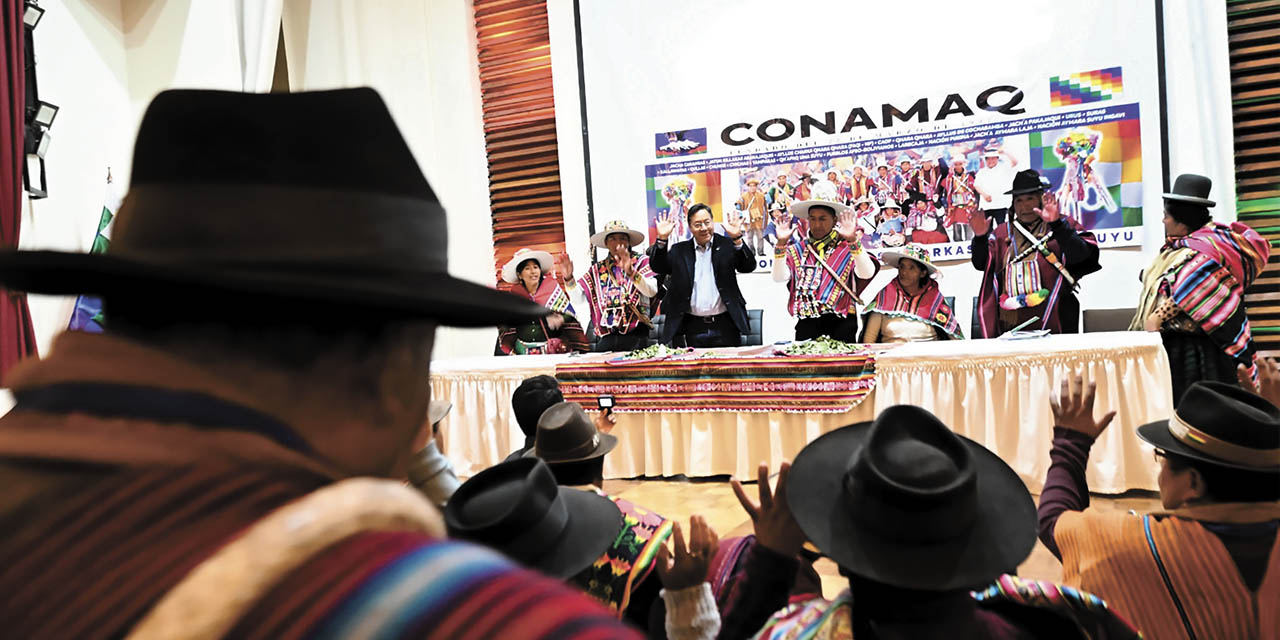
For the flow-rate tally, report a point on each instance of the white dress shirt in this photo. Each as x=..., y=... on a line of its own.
x=995, y=181
x=706, y=296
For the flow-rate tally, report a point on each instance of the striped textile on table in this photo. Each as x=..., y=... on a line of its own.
x=696, y=383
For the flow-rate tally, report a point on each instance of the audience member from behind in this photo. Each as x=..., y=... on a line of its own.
x=917, y=517
x=517, y=508
x=622, y=577
x=1208, y=564
x=530, y=399
x=272, y=289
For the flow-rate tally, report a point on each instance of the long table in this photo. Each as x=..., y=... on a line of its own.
x=995, y=392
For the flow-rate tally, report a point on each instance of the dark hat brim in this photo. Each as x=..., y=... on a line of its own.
x=1018, y=192
x=435, y=296
x=607, y=442
x=1192, y=199
x=1157, y=435
x=1002, y=535
x=594, y=523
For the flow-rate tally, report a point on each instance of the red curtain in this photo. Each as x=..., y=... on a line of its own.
x=17, y=338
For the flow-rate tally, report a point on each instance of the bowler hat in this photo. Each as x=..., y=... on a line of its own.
x=1192, y=188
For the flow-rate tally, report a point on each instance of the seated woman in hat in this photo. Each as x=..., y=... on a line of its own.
x=925, y=524
x=617, y=290
x=558, y=332
x=1208, y=564
x=1193, y=292
x=911, y=307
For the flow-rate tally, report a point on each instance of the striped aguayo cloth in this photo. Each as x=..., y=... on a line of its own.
x=788, y=384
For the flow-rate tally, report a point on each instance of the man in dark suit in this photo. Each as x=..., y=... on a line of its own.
x=703, y=305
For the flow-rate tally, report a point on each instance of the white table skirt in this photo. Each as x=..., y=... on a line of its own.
x=995, y=392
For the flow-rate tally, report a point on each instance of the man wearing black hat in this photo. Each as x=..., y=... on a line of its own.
x=1032, y=265
x=623, y=577
x=517, y=508
x=1208, y=566
x=1193, y=292
x=271, y=295
x=917, y=518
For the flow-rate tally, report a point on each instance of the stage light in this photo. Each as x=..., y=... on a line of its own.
x=36, y=185
x=44, y=114
x=31, y=16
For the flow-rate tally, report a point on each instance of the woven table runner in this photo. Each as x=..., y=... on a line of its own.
x=696, y=383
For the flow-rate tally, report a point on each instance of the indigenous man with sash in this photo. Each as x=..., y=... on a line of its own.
x=616, y=290
x=826, y=272
x=1032, y=264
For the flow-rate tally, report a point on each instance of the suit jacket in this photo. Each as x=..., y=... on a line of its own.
x=677, y=261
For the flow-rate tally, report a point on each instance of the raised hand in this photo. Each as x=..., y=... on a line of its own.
x=775, y=527
x=666, y=224
x=626, y=263
x=555, y=321
x=782, y=226
x=687, y=567
x=564, y=267
x=847, y=227
x=1268, y=380
x=981, y=225
x=1073, y=408
x=1048, y=210
x=733, y=224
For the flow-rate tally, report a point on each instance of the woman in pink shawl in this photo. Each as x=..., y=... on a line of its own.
x=559, y=332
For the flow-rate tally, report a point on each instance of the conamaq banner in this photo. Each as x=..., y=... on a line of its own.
x=917, y=125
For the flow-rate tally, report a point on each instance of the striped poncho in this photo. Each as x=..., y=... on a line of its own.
x=928, y=307
x=814, y=291
x=1206, y=273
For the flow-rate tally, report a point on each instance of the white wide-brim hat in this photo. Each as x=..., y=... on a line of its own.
x=801, y=209
x=910, y=252
x=509, y=270
x=616, y=226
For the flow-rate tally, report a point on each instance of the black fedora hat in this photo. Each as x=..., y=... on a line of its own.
x=567, y=434
x=1027, y=181
x=516, y=508
x=302, y=197
x=1192, y=188
x=1221, y=424
x=906, y=502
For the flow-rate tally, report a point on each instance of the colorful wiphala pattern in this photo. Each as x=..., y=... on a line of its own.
x=1085, y=87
